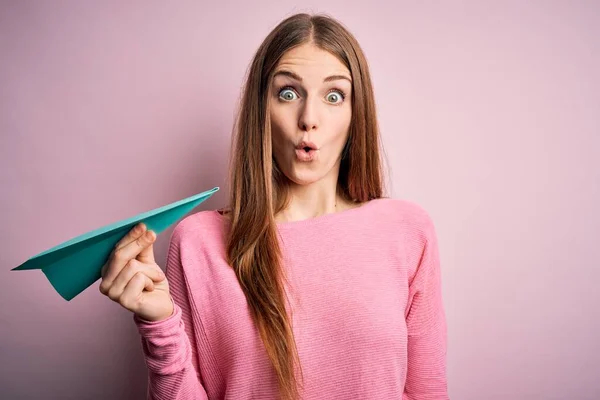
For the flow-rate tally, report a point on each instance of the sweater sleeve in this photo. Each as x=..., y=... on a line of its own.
x=426, y=325
x=169, y=345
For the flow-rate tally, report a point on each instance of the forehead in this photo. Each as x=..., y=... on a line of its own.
x=308, y=59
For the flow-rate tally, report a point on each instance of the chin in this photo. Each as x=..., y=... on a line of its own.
x=304, y=177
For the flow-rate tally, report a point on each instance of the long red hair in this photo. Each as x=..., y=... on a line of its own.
x=258, y=188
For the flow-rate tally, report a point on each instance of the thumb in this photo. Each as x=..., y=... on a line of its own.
x=146, y=256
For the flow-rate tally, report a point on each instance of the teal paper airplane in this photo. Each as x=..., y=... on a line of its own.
x=74, y=265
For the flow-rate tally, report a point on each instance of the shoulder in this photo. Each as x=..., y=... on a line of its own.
x=403, y=210
x=404, y=214
x=202, y=225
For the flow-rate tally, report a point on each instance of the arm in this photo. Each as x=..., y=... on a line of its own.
x=169, y=345
x=426, y=324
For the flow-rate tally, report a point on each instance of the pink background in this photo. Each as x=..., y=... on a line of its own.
x=490, y=117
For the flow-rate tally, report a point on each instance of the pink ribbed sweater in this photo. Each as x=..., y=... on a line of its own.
x=367, y=310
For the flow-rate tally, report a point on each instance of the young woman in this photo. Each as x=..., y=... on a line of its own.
x=311, y=284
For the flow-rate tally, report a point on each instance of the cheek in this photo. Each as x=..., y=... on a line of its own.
x=281, y=123
x=341, y=129
x=279, y=133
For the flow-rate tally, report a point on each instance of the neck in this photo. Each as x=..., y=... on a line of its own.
x=312, y=200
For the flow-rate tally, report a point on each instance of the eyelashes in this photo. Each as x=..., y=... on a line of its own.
x=341, y=93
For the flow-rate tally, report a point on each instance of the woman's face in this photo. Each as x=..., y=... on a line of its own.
x=310, y=110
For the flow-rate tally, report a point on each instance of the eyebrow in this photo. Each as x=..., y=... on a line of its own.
x=297, y=77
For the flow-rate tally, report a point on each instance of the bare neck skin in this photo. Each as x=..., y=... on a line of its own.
x=314, y=199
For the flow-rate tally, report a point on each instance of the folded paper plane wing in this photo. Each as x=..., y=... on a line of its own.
x=76, y=264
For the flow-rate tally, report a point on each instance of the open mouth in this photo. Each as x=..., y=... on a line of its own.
x=306, y=151
x=306, y=146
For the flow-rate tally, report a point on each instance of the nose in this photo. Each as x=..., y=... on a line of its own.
x=308, y=116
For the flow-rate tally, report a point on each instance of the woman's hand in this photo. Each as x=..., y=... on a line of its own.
x=131, y=277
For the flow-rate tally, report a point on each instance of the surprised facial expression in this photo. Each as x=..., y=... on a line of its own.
x=310, y=111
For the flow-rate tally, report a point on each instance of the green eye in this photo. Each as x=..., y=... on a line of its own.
x=335, y=97
x=287, y=94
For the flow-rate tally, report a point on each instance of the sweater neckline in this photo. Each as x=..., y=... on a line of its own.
x=326, y=218
x=318, y=220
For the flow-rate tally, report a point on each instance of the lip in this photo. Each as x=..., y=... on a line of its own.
x=303, y=155
x=305, y=143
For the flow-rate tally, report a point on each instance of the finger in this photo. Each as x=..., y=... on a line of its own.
x=135, y=232
x=115, y=293
x=147, y=254
x=130, y=298
x=103, y=270
x=134, y=248
x=121, y=257
x=134, y=267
